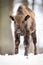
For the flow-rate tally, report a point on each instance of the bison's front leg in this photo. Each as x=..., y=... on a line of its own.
x=17, y=41
x=26, y=44
x=34, y=41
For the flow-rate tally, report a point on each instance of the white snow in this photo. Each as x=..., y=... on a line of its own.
x=21, y=60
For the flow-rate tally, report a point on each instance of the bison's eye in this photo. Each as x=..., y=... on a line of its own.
x=26, y=17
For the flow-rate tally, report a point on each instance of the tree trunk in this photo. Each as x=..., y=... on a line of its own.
x=25, y=2
x=33, y=4
x=6, y=40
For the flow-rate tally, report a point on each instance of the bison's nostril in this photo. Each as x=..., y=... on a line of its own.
x=22, y=31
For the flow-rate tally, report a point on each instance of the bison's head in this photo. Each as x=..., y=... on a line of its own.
x=20, y=23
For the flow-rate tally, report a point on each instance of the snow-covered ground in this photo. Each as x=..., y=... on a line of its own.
x=21, y=60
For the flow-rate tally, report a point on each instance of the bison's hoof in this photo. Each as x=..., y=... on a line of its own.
x=35, y=53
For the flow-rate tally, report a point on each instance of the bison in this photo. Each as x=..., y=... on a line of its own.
x=25, y=25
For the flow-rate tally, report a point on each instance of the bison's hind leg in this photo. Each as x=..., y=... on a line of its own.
x=34, y=42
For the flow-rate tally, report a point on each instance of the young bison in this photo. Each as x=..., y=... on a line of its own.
x=24, y=25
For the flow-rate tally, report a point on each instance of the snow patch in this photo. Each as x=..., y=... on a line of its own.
x=21, y=60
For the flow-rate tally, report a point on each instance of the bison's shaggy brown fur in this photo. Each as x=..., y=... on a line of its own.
x=24, y=25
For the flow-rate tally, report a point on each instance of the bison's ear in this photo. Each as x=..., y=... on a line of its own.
x=12, y=18
x=27, y=17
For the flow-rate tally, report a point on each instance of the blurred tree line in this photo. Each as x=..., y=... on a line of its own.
x=26, y=2
x=30, y=2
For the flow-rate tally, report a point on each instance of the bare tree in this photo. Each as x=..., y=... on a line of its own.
x=33, y=2
x=42, y=2
x=25, y=2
